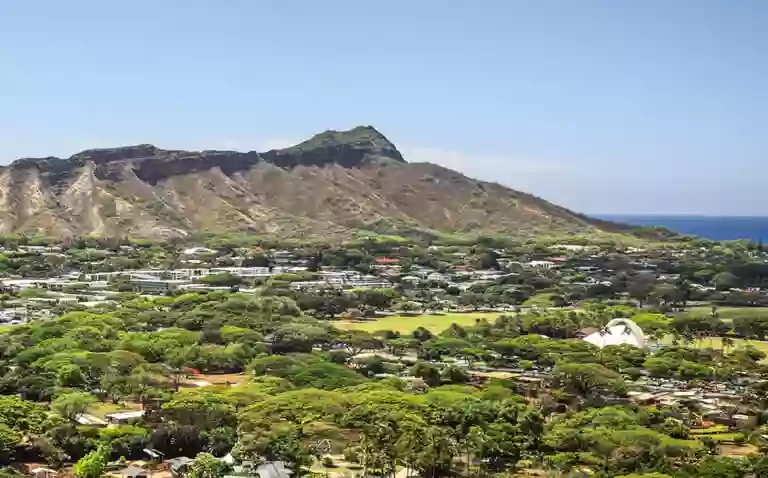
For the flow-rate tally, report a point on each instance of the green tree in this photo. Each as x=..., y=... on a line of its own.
x=22, y=415
x=207, y=466
x=124, y=440
x=286, y=442
x=116, y=386
x=454, y=331
x=70, y=376
x=72, y=405
x=178, y=362
x=454, y=374
x=92, y=465
x=587, y=380
x=727, y=343
x=428, y=450
x=428, y=372
x=356, y=341
x=437, y=347
x=472, y=299
x=201, y=409
x=222, y=280
x=725, y=281
x=9, y=439
x=422, y=334
x=376, y=299
x=661, y=366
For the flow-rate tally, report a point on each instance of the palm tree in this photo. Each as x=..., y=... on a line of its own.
x=675, y=337
x=603, y=331
x=141, y=381
x=476, y=441
x=656, y=335
x=714, y=331
x=726, y=342
x=469, y=420
x=700, y=336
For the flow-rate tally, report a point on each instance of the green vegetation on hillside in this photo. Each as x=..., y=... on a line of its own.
x=385, y=356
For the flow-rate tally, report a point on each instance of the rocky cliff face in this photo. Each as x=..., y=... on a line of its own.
x=330, y=185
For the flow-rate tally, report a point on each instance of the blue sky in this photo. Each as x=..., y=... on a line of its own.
x=631, y=106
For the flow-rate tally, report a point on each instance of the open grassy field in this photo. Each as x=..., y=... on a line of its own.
x=710, y=430
x=101, y=409
x=730, y=437
x=717, y=343
x=727, y=314
x=403, y=323
x=540, y=300
x=745, y=449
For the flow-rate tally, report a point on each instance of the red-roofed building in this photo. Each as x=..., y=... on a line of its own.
x=387, y=260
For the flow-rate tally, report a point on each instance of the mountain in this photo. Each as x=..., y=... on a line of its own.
x=332, y=185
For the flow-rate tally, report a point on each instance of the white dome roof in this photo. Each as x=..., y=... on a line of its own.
x=618, y=332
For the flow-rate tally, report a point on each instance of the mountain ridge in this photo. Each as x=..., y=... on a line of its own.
x=331, y=185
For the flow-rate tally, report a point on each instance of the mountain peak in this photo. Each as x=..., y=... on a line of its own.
x=351, y=148
x=121, y=153
x=360, y=136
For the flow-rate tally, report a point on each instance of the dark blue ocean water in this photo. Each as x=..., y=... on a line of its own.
x=711, y=227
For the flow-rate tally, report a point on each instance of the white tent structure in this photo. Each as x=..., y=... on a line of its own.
x=618, y=332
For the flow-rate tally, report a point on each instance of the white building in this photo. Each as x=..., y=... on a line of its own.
x=540, y=264
x=618, y=332
x=439, y=277
x=198, y=250
x=119, y=418
x=487, y=274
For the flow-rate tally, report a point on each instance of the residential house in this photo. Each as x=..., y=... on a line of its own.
x=178, y=466
x=43, y=473
x=387, y=261
x=313, y=285
x=643, y=398
x=540, y=264
x=121, y=418
x=156, y=286
x=192, y=251
x=487, y=274
x=529, y=385
x=248, y=273
x=438, y=277
x=272, y=469
x=133, y=471
x=369, y=281
x=92, y=420
x=283, y=257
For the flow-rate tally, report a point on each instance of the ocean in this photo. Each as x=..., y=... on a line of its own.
x=711, y=227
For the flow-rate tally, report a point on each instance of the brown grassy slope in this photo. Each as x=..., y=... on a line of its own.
x=329, y=186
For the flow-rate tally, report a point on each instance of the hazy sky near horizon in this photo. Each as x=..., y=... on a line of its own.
x=604, y=106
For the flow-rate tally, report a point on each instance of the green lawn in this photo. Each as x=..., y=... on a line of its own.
x=543, y=299
x=402, y=323
x=727, y=314
x=101, y=409
x=723, y=436
x=709, y=431
x=717, y=343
